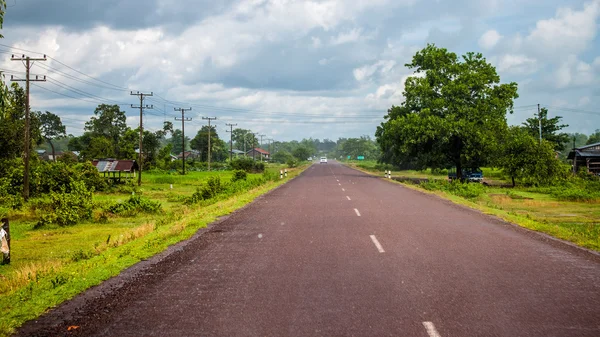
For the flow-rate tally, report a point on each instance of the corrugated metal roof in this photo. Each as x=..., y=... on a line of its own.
x=583, y=154
x=110, y=165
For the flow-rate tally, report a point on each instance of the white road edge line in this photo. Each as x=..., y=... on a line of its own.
x=357, y=212
x=377, y=244
x=348, y=198
x=431, y=331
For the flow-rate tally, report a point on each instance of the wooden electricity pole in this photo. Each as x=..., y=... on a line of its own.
x=27, y=146
x=141, y=107
x=209, y=119
x=230, y=140
x=183, y=120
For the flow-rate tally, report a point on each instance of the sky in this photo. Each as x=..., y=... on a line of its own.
x=294, y=69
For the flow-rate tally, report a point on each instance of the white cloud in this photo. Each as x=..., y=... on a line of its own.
x=584, y=101
x=520, y=64
x=574, y=73
x=352, y=35
x=316, y=42
x=489, y=39
x=364, y=73
x=569, y=31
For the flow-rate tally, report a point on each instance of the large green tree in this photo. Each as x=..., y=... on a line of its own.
x=454, y=110
x=301, y=153
x=244, y=138
x=51, y=128
x=523, y=157
x=594, y=138
x=550, y=129
x=108, y=122
x=12, y=123
x=200, y=142
x=176, y=141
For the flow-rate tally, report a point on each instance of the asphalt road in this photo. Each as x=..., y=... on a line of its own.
x=336, y=252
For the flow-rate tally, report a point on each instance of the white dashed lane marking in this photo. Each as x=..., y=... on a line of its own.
x=431, y=330
x=348, y=198
x=343, y=190
x=377, y=244
x=357, y=212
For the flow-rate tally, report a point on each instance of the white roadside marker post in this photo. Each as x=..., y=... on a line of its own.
x=280, y=174
x=285, y=173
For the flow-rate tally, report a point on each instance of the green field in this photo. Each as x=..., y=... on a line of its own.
x=52, y=264
x=535, y=208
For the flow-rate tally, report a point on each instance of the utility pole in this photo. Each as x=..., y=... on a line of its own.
x=209, y=119
x=270, y=140
x=183, y=120
x=254, y=134
x=27, y=146
x=540, y=121
x=231, y=140
x=141, y=107
x=260, y=146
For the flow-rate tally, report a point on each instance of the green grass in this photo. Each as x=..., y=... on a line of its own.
x=51, y=265
x=537, y=209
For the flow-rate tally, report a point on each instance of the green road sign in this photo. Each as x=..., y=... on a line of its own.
x=349, y=157
x=360, y=157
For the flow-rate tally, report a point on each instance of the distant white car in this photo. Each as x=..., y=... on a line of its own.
x=323, y=160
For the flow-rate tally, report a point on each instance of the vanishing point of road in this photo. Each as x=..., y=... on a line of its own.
x=336, y=252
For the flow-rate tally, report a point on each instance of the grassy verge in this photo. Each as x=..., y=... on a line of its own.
x=52, y=265
x=537, y=209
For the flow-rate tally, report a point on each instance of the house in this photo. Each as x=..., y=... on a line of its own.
x=192, y=154
x=258, y=153
x=116, y=169
x=237, y=153
x=47, y=155
x=586, y=156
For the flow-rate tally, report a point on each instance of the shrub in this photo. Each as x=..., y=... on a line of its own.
x=464, y=190
x=575, y=194
x=207, y=191
x=67, y=208
x=291, y=163
x=90, y=175
x=134, y=205
x=239, y=175
x=248, y=165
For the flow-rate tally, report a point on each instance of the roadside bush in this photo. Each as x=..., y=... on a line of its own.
x=67, y=208
x=239, y=175
x=89, y=174
x=291, y=163
x=575, y=194
x=248, y=165
x=464, y=190
x=209, y=190
x=134, y=205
